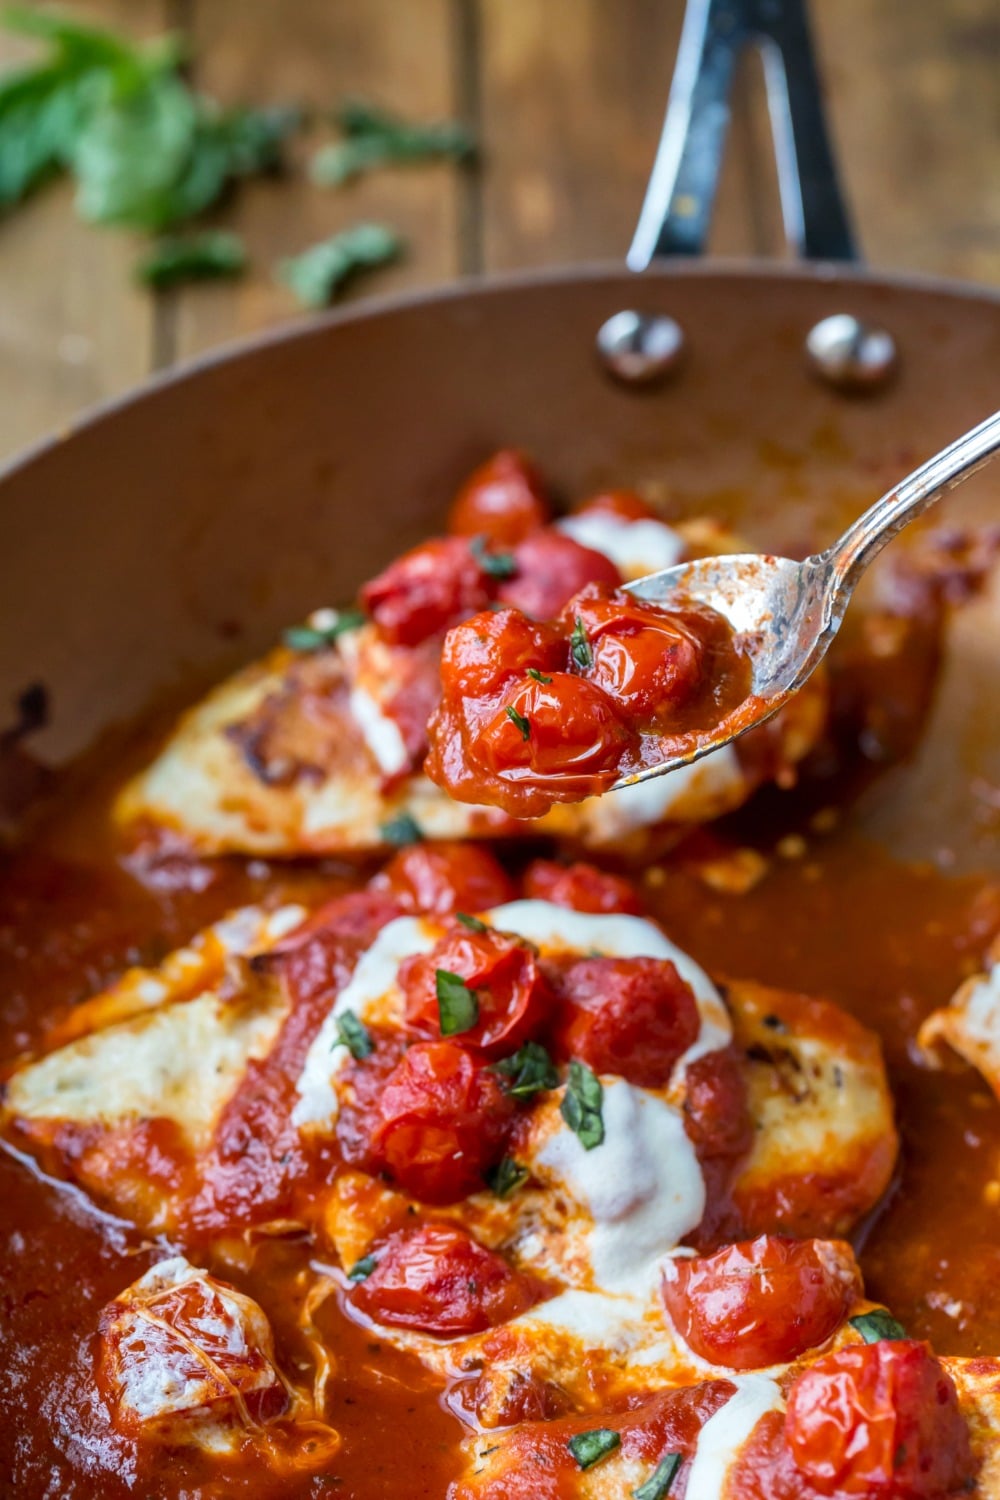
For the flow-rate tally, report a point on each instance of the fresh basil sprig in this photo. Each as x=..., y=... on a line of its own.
x=458, y=1008
x=588, y=1448
x=210, y=256
x=657, y=1486
x=374, y=138
x=582, y=1104
x=507, y=1177
x=876, y=1325
x=319, y=273
x=353, y=1034
x=527, y=1071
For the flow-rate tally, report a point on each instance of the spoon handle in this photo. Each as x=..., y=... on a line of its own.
x=861, y=543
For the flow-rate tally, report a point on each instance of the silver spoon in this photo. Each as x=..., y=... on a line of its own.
x=786, y=613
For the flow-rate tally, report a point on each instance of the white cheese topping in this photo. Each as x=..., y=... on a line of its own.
x=381, y=734
x=642, y=1186
x=619, y=936
x=704, y=789
x=372, y=980
x=723, y=1436
x=635, y=547
x=982, y=1011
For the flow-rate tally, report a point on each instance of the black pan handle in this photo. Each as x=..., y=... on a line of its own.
x=677, y=209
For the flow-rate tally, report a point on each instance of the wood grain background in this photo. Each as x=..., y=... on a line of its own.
x=567, y=97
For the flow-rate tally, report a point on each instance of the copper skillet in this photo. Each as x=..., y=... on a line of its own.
x=171, y=535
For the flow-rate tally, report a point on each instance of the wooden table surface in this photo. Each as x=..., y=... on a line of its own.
x=567, y=97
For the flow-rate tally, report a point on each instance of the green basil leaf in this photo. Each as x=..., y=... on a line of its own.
x=362, y=1268
x=493, y=564
x=354, y=1035
x=375, y=138
x=507, y=1177
x=318, y=274
x=579, y=647
x=581, y=1105
x=539, y=676
x=523, y=724
x=200, y=257
x=458, y=1008
x=402, y=831
x=527, y=1071
x=131, y=150
x=657, y=1486
x=315, y=637
x=588, y=1448
x=472, y=923
x=877, y=1325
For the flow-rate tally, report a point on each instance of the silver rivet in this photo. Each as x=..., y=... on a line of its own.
x=850, y=354
x=640, y=348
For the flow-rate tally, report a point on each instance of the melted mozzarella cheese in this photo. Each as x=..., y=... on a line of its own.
x=970, y=1026
x=705, y=789
x=723, y=1436
x=642, y=1186
x=619, y=936
x=381, y=734
x=372, y=982
x=635, y=547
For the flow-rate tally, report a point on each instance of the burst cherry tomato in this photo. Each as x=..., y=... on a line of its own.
x=643, y=657
x=557, y=735
x=761, y=1302
x=491, y=648
x=631, y=1016
x=512, y=996
x=438, y=1280
x=551, y=568
x=440, y=878
x=426, y=590
x=716, y=1114
x=581, y=887
x=435, y=1124
x=881, y=1421
x=625, y=504
x=504, y=500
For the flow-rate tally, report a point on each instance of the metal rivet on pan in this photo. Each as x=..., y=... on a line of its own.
x=850, y=354
x=640, y=348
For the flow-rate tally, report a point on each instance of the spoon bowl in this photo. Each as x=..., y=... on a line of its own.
x=784, y=614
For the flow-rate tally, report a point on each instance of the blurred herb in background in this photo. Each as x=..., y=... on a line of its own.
x=208, y=256
x=374, y=137
x=318, y=273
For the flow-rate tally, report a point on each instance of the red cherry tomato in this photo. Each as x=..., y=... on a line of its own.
x=716, y=1115
x=879, y=1420
x=504, y=500
x=581, y=887
x=551, y=568
x=480, y=656
x=435, y=1124
x=630, y=1016
x=512, y=995
x=318, y=958
x=438, y=1280
x=645, y=658
x=426, y=590
x=763, y=1301
x=440, y=878
x=625, y=504
x=560, y=734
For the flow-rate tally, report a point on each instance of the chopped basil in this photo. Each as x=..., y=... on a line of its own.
x=493, y=564
x=472, y=923
x=657, y=1486
x=323, y=633
x=401, y=831
x=198, y=257
x=579, y=647
x=522, y=723
x=581, y=1105
x=539, y=676
x=588, y=1448
x=354, y=1035
x=458, y=1008
x=527, y=1071
x=373, y=138
x=362, y=1268
x=877, y=1325
x=507, y=1177
x=318, y=274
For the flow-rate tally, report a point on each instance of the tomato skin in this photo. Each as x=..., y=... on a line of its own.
x=318, y=958
x=630, y=1016
x=763, y=1301
x=645, y=659
x=482, y=655
x=503, y=500
x=581, y=887
x=437, y=1279
x=513, y=995
x=440, y=878
x=573, y=733
x=879, y=1420
x=625, y=504
x=426, y=590
x=551, y=568
x=435, y=1123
